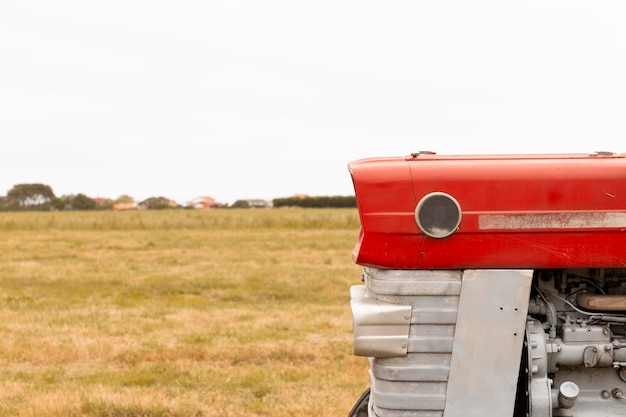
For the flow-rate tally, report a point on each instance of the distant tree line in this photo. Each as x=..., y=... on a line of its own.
x=40, y=197
x=316, y=202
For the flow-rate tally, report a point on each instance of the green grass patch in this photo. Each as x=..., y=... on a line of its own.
x=178, y=313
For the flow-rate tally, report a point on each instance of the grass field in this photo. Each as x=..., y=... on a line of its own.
x=178, y=313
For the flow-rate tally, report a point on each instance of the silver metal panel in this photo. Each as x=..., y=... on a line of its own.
x=413, y=367
x=380, y=329
x=378, y=412
x=431, y=338
x=413, y=282
x=488, y=340
x=432, y=309
x=429, y=396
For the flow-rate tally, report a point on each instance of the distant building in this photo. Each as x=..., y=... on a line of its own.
x=103, y=203
x=203, y=203
x=259, y=203
x=125, y=206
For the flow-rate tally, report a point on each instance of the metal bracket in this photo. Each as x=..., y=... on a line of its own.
x=381, y=329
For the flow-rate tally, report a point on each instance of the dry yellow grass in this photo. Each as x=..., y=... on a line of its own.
x=178, y=313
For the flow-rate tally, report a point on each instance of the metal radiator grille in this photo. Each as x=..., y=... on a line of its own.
x=415, y=385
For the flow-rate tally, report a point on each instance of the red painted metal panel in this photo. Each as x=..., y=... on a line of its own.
x=517, y=211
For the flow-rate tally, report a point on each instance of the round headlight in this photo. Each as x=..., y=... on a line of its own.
x=438, y=215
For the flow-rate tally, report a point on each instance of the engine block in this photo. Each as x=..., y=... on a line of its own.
x=437, y=350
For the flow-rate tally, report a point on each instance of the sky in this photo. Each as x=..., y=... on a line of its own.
x=245, y=99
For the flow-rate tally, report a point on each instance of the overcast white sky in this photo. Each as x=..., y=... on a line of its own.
x=264, y=99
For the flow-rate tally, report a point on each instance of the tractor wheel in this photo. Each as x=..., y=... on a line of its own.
x=360, y=407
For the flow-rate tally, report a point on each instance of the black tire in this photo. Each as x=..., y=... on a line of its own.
x=360, y=407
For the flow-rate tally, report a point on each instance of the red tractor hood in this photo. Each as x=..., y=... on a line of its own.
x=428, y=211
